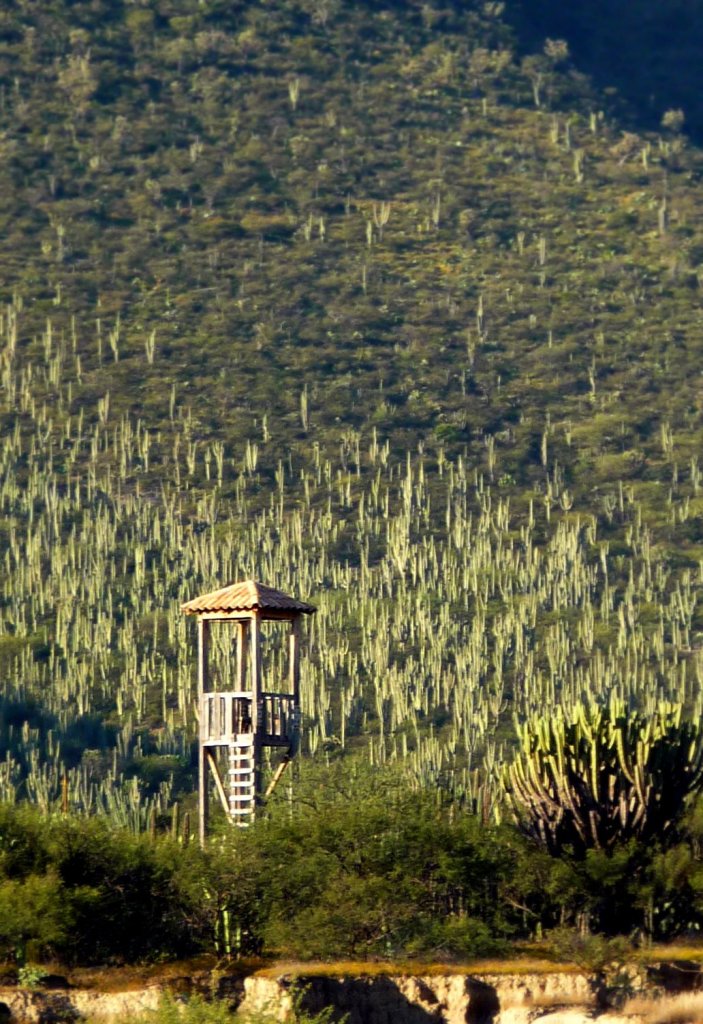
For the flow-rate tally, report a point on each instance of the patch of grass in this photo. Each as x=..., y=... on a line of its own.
x=131, y=977
x=686, y=1008
x=412, y=968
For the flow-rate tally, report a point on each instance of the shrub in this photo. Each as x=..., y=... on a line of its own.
x=35, y=914
x=85, y=891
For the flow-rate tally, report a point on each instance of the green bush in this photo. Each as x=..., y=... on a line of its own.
x=372, y=869
x=194, y=1010
x=594, y=954
x=368, y=868
x=35, y=915
x=197, y=1010
x=84, y=891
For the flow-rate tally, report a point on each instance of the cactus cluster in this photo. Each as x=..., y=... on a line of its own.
x=601, y=774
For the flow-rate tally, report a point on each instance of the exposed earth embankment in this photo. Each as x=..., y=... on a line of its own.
x=659, y=994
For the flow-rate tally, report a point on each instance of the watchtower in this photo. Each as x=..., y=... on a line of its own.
x=238, y=722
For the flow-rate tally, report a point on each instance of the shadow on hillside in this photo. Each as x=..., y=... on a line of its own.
x=78, y=734
x=650, y=52
x=370, y=999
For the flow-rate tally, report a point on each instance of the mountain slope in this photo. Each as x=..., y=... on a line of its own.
x=352, y=298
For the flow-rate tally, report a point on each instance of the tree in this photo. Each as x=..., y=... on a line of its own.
x=599, y=776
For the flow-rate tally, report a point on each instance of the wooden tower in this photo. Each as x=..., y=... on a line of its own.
x=238, y=722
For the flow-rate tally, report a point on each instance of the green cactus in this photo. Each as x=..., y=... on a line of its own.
x=602, y=774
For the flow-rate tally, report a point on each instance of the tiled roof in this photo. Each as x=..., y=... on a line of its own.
x=244, y=597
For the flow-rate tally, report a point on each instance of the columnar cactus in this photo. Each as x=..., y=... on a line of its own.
x=601, y=774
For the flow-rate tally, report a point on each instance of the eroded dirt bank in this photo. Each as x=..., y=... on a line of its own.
x=440, y=999
x=557, y=997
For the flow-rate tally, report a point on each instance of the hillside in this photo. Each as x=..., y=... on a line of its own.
x=365, y=300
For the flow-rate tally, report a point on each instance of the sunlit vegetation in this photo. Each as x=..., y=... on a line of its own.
x=354, y=300
x=371, y=868
x=605, y=776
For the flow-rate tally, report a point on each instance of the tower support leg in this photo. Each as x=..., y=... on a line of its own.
x=203, y=807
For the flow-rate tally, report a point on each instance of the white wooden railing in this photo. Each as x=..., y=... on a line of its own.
x=224, y=715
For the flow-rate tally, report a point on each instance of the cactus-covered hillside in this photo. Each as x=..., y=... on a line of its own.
x=379, y=303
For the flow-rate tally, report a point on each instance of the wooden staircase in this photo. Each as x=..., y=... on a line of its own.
x=242, y=779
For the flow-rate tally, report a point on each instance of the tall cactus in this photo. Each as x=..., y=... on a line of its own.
x=601, y=774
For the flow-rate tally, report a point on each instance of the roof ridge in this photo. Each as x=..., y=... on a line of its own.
x=246, y=595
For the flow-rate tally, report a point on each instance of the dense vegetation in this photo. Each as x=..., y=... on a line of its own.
x=371, y=869
x=379, y=304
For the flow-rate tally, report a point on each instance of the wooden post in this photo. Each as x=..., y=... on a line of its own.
x=242, y=636
x=203, y=796
x=203, y=648
x=218, y=781
x=203, y=686
x=294, y=659
x=277, y=776
x=255, y=662
x=255, y=668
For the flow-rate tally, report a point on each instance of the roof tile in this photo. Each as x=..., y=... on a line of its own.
x=245, y=596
